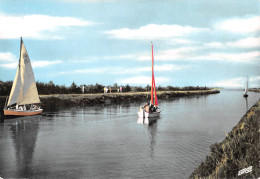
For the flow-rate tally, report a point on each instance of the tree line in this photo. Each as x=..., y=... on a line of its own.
x=51, y=88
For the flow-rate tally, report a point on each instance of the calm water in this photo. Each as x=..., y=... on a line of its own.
x=111, y=142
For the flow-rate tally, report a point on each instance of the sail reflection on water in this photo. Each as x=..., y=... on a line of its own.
x=246, y=104
x=24, y=134
x=152, y=129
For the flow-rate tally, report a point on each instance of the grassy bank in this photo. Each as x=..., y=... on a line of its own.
x=257, y=90
x=52, y=101
x=112, y=98
x=239, y=150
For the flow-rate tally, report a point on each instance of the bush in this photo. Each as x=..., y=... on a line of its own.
x=51, y=88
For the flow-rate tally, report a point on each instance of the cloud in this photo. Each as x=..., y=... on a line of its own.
x=195, y=54
x=37, y=26
x=240, y=25
x=214, y=45
x=89, y=1
x=82, y=71
x=40, y=64
x=170, y=54
x=189, y=49
x=153, y=31
x=254, y=82
x=230, y=83
x=142, y=80
x=9, y=65
x=232, y=57
x=122, y=70
x=35, y=64
x=157, y=68
x=7, y=57
x=250, y=42
x=113, y=57
x=180, y=41
x=90, y=59
x=168, y=67
x=239, y=82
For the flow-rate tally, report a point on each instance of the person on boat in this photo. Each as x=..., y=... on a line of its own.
x=21, y=108
x=11, y=107
x=153, y=108
x=146, y=107
x=35, y=107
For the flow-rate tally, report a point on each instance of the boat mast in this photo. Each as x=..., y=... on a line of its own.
x=19, y=64
x=247, y=83
x=20, y=51
x=6, y=101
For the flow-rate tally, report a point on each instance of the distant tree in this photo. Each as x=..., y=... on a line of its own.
x=127, y=88
x=148, y=88
x=99, y=88
x=51, y=88
x=137, y=89
x=63, y=89
x=5, y=88
x=74, y=88
x=169, y=88
x=160, y=88
x=115, y=85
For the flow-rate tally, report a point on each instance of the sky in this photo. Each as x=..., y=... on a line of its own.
x=213, y=43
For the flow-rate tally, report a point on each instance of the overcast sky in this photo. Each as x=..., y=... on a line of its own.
x=202, y=42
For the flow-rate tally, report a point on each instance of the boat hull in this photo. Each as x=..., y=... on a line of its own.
x=11, y=112
x=143, y=114
x=245, y=95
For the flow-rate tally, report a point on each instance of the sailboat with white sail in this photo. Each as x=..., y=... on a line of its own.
x=24, y=94
x=152, y=109
x=246, y=89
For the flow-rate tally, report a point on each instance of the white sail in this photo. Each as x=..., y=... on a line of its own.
x=15, y=88
x=246, y=89
x=24, y=90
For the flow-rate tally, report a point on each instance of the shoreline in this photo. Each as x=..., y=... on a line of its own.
x=112, y=98
x=64, y=100
x=236, y=153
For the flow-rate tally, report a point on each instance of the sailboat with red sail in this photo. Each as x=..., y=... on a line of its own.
x=152, y=109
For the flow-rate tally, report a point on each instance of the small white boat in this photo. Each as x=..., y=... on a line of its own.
x=246, y=89
x=152, y=110
x=143, y=114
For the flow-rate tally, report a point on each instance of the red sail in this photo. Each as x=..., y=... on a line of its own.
x=152, y=93
x=155, y=95
x=152, y=79
x=153, y=83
